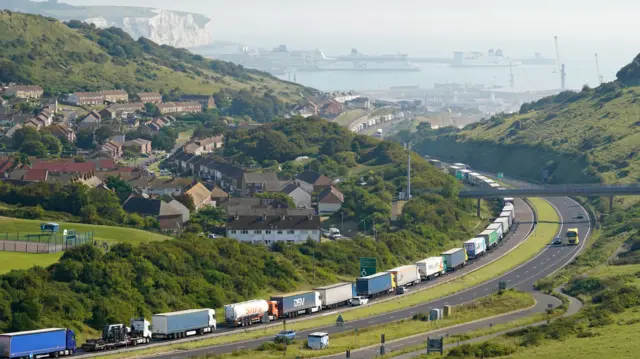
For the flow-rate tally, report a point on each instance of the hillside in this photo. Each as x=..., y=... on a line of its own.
x=75, y=56
x=589, y=136
x=91, y=288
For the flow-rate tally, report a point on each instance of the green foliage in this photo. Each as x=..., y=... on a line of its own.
x=52, y=144
x=482, y=350
x=277, y=195
x=123, y=189
x=25, y=134
x=33, y=148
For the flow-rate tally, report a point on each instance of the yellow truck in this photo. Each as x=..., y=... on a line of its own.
x=572, y=236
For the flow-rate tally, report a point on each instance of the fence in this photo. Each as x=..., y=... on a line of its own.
x=42, y=242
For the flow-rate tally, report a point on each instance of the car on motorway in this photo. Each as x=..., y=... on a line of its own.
x=557, y=241
x=356, y=301
x=402, y=290
x=579, y=216
x=285, y=335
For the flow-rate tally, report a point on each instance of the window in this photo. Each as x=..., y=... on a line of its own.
x=267, y=232
x=244, y=231
x=279, y=232
x=290, y=232
x=233, y=232
x=257, y=232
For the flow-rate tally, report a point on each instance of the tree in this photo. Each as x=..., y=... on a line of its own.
x=152, y=110
x=277, y=195
x=84, y=139
x=102, y=134
x=123, y=189
x=34, y=148
x=52, y=143
x=186, y=200
x=21, y=159
x=24, y=134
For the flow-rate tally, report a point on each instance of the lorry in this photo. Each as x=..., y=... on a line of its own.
x=252, y=311
x=292, y=304
x=490, y=238
x=405, y=275
x=455, y=258
x=118, y=335
x=504, y=221
x=509, y=215
x=498, y=228
x=508, y=200
x=183, y=323
x=375, y=284
x=431, y=267
x=475, y=247
x=335, y=295
x=572, y=236
x=29, y=344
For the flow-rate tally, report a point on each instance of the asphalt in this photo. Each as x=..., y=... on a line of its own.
x=523, y=277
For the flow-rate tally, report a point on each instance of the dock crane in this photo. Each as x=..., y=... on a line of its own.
x=559, y=65
x=600, y=78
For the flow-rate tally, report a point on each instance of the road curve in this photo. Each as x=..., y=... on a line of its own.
x=549, y=260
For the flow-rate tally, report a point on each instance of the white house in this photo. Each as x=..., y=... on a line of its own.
x=268, y=229
x=330, y=200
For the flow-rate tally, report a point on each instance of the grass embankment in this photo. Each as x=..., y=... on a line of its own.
x=346, y=117
x=16, y=260
x=541, y=236
x=485, y=307
x=101, y=233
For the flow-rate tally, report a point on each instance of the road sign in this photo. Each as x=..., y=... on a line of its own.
x=500, y=175
x=435, y=345
x=367, y=266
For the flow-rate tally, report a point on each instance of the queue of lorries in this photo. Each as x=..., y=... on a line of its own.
x=58, y=341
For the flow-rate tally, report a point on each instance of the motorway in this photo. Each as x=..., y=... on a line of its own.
x=523, y=277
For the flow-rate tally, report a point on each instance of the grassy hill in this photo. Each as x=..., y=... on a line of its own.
x=589, y=136
x=75, y=56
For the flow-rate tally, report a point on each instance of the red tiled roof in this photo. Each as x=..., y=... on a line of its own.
x=5, y=164
x=106, y=163
x=64, y=166
x=35, y=175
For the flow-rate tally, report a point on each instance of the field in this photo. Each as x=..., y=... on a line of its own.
x=101, y=233
x=15, y=260
x=543, y=233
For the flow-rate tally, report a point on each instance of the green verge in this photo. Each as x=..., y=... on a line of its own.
x=541, y=236
x=17, y=260
x=101, y=233
x=482, y=308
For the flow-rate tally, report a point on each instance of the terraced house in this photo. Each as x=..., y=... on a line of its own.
x=97, y=98
x=149, y=97
x=179, y=107
x=25, y=91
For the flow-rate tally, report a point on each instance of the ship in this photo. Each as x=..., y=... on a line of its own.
x=478, y=59
x=538, y=59
x=357, y=56
x=360, y=66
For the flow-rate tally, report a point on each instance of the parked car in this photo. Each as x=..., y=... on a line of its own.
x=359, y=301
x=213, y=236
x=557, y=241
x=285, y=335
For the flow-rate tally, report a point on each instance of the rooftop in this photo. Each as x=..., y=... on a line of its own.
x=275, y=222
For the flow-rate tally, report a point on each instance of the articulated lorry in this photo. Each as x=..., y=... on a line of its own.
x=118, y=335
x=455, y=258
x=250, y=312
x=475, y=247
x=375, y=284
x=572, y=236
x=504, y=221
x=335, y=295
x=183, y=323
x=498, y=228
x=490, y=237
x=53, y=342
x=405, y=275
x=431, y=267
x=292, y=304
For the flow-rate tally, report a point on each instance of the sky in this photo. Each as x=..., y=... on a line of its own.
x=420, y=27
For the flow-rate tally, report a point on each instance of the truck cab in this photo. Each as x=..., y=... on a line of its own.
x=572, y=236
x=273, y=309
x=140, y=327
x=334, y=233
x=71, y=341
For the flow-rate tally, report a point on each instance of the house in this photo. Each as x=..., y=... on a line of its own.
x=105, y=164
x=312, y=181
x=132, y=122
x=156, y=124
x=360, y=102
x=171, y=215
x=179, y=107
x=201, y=195
x=91, y=121
x=37, y=123
x=269, y=229
x=63, y=132
x=6, y=165
x=330, y=200
x=108, y=113
x=170, y=187
x=300, y=197
x=203, y=100
x=27, y=92
x=331, y=109
x=149, y=97
x=97, y=98
x=123, y=110
x=138, y=145
x=205, y=145
x=111, y=149
x=63, y=166
x=306, y=110
x=89, y=179
x=217, y=194
x=256, y=182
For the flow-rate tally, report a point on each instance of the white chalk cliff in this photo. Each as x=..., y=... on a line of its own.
x=164, y=27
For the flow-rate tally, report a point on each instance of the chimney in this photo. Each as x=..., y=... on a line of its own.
x=283, y=214
x=236, y=216
x=264, y=216
x=310, y=216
